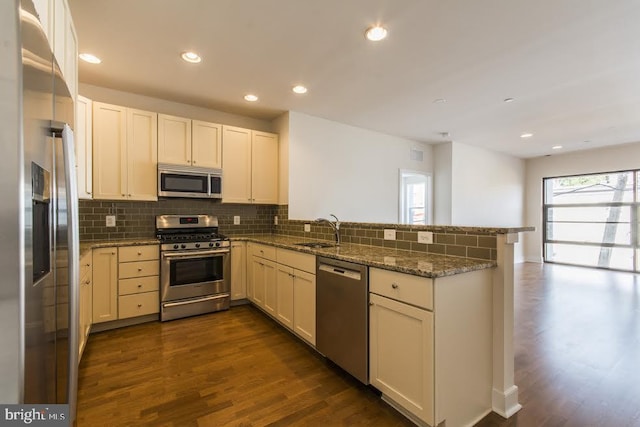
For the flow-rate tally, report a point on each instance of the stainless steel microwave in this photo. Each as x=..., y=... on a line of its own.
x=189, y=181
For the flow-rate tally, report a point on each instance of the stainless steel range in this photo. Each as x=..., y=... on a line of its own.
x=194, y=266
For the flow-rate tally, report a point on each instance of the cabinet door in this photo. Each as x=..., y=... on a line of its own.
x=174, y=140
x=105, y=285
x=258, y=280
x=401, y=354
x=236, y=165
x=270, y=292
x=83, y=140
x=304, y=305
x=264, y=168
x=109, y=151
x=61, y=12
x=206, y=144
x=44, y=9
x=142, y=155
x=71, y=56
x=238, y=270
x=284, y=291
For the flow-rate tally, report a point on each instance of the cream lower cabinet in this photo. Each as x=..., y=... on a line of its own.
x=125, y=153
x=138, y=284
x=401, y=354
x=304, y=305
x=284, y=295
x=238, y=270
x=105, y=285
x=430, y=344
x=263, y=280
x=85, y=302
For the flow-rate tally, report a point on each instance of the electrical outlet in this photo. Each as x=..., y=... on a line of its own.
x=110, y=221
x=236, y=220
x=389, y=234
x=275, y=220
x=307, y=228
x=425, y=237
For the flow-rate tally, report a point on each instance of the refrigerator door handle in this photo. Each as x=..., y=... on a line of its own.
x=62, y=130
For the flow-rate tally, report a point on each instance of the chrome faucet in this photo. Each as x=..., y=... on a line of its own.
x=334, y=224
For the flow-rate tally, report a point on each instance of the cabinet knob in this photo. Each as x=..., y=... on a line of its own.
x=129, y=195
x=139, y=253
x=88, y=265
x=122, y=194
x=139, y=305
x=139, y=269
x=113, y=253
x=394, y=285
x=193, y=162
x=88, y=192
x=87, y=282
x=139, y=286
x=370, y=303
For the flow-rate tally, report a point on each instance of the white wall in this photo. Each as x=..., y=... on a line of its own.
x=163, y=106
x=345, y=170
x=442, y=175
x=609, y=159
x=487, y=188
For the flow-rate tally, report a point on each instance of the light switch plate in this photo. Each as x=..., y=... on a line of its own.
x=236, y=220
x=389, y=234
x=425, y=237
x=110, y=221
x=307, y=228
x=275, y=220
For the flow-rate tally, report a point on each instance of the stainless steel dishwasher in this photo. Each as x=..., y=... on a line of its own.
x=342, y=315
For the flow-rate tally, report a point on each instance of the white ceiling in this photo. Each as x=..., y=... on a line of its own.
x=573, y=66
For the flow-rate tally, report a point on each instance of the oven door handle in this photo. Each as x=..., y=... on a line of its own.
x=192, y=254
x=194, y=301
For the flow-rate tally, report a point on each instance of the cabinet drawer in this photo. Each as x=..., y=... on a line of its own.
x=138, y=269
x=407, y=288
x=138, y=253
x=138, y=304
x=263, y=251
x=138, y=285
x=298, y=260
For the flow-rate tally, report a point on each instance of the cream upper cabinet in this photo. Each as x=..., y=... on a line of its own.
x=250, y=166
x=183, y=141
x=83, y=145
x=124, y=153
x=206, y=144
x=174, y=140
x=57, y=23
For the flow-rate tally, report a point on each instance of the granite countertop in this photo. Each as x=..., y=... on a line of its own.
x=411, y=262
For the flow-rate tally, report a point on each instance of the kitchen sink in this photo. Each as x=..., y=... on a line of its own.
x=316, y=245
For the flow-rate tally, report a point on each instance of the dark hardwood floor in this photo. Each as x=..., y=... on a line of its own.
x=577, y=345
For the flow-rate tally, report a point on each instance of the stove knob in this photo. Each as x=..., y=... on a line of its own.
x=217, y=244
x=197, y=245
x=175, y=246
x=183, y=246
x=210, y=245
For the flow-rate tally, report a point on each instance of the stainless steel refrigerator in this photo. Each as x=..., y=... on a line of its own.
x=38, y=218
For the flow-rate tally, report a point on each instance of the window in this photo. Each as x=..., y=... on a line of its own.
x=415, y=198
x=592, y=220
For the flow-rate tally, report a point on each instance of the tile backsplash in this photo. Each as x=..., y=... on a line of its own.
x=137, y=220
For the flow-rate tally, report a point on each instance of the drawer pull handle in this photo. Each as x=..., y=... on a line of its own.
x=394, y=285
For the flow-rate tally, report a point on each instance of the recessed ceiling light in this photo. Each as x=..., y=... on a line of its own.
x=556, y=147
x=439, y=101
x=526, y=135
x=508, y=100
x=376, y=33
x=192, y=57
x=299, y=89
x=91, y=59
x=250, y=97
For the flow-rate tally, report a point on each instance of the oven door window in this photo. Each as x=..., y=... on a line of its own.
x=184, y=183
x=189, y=271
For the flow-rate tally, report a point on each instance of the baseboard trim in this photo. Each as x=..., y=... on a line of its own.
x=506, y=403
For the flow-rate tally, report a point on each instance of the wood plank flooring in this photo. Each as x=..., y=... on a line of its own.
x=235, y=368
x=577, y=346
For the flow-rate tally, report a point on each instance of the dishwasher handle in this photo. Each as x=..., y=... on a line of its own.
x=344, y=272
